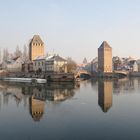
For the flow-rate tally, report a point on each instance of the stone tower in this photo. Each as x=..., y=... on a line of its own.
x=105, y=58
x=36, y=47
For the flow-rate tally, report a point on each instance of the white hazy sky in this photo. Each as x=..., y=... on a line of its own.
x=74, y=28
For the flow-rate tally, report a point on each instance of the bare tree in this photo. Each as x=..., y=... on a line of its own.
x=71, y=65
x=25, y=54
x=5, y=58
x=5, y=55
x=18, y=52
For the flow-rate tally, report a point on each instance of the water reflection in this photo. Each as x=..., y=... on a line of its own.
x=106, y=89
x=50, y=111
x=36, y=108
x=47, y=111
x=58, y=93
x=105, y=94
x=37, y=102
x=36, y=96
x=126, y=85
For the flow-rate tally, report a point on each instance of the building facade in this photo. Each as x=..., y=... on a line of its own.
x=39, y=64
x=27, y=67
x=36, y=47
x=105, y=58
x=135, y=67
x=50, y=64
x=56, y=64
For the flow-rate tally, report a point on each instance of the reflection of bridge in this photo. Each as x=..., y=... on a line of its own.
x=123, y=73
x=77, y=75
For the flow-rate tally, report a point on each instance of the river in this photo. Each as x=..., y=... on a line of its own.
x=92, y=110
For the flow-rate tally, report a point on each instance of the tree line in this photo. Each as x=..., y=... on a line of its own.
x=6, y=56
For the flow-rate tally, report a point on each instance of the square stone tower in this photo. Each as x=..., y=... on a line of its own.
x=105, y=58
x=36, y=47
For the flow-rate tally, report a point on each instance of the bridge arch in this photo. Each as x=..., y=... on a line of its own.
x=121, y=73
x=84, y=72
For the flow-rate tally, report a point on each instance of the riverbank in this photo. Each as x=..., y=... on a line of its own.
x=24, y=80
x=32, y=76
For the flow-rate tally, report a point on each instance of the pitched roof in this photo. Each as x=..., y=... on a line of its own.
x=49, y=58
x=41, y=57
x=16, y=58
x=105, y=45
x=56, y=58
x=37, y=39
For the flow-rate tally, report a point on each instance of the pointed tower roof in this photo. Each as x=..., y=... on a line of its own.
x=37, y=39
x=105, y=45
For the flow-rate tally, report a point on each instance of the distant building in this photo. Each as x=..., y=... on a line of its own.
x=138, y=63
x=52, y=63
x=87, y=67
x=27, y=67
x=36, y=47
x=133, y=66
x=94, y=68
x=14, y=65
x=94, y=65
x=39, y=63
x=117, y=63
x=105, y=58
x=85, y=61
x=56, y=64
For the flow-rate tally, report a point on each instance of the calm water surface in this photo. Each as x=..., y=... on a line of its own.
x=91, y=110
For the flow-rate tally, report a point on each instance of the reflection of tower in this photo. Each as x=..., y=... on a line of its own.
x=105, y=95
x=36, y=108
